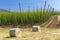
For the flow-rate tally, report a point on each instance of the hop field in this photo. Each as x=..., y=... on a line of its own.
x=25, y=17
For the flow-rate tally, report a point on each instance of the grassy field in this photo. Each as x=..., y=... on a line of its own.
x=27, y=34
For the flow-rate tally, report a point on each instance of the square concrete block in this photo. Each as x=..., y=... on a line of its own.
x=35, y=28
x=15, y=32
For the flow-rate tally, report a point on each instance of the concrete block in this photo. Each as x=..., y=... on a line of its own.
x=35, y=28
x=15, y=32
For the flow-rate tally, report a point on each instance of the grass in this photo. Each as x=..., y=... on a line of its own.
x=27, y=34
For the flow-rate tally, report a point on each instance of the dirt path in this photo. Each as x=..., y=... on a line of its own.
x=53, y=23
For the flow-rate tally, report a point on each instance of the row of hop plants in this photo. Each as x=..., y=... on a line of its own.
x=24, y=17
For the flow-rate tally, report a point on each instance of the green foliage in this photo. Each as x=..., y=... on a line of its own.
x=26, y=17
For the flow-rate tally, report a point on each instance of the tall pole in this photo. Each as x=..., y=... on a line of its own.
x=20, y=13
x=28, y=14
x=20, y=7
x=48, y=11
x=45, y=5
x=52, y=11
x=44, y=10
x=34, y=14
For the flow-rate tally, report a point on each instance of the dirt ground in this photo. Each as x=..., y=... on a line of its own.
x=27, y=34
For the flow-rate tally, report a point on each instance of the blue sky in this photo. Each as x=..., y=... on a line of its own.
x=13, y=4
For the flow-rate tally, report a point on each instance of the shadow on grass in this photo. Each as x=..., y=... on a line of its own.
x=10, y=37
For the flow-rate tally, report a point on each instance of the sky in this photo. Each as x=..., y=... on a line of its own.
x=33, y=4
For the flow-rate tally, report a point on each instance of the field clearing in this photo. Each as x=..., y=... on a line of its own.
x=27, y=34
